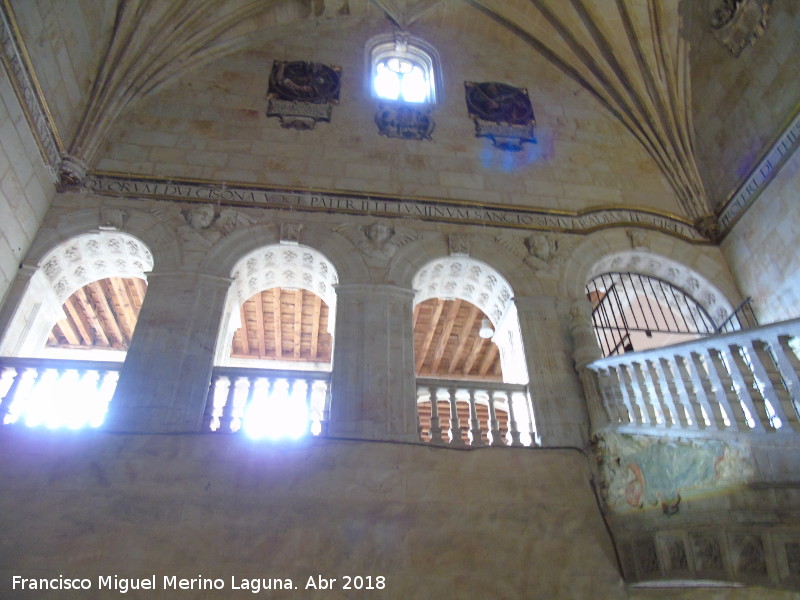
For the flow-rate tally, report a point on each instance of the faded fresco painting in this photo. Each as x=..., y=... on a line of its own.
x=638, y=472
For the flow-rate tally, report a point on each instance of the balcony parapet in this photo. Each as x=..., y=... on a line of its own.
x=277, y=403
x=478, y=413
x=56, y=393
x=741, y=383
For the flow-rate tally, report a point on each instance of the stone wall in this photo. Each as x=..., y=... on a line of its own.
x=65, y=41
x=25, y=188
x=434, y=522
x=583, y=156
x=762, y=248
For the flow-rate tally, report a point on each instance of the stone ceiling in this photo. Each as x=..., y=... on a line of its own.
x=631, y=56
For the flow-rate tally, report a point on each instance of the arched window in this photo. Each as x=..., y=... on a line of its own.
x=81, y=305
x=403, y=68
x=469, y=360
x=273, y=358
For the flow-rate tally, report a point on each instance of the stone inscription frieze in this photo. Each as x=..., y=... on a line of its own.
x=425, y=210
x=760, y=176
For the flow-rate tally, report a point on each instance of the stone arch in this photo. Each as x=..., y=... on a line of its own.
x=160, y=240
x=708, y=295
x=64, y=269
x=698, y=269
x=411, y=258
x=478, y=283
x=224, y=256
x=276, y=265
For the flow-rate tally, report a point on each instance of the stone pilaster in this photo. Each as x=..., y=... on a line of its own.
x=164, y=383
x=556, y=391
x=373, y=387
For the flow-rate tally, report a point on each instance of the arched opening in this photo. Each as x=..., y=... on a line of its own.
x=642, y=301
x=634, y=312
x=80, y=308
x=274, y=355
x=467, y=347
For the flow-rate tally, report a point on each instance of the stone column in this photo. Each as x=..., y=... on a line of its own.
x=586, y=350
x=29, y=313
x=373, y=386
x=164, y=383
x=556, y=391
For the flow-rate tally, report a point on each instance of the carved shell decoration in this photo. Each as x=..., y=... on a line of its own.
x=277, y=266
x=95, y=256
x=466, y=279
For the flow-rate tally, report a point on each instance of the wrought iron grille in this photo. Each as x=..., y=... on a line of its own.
x=629, y=303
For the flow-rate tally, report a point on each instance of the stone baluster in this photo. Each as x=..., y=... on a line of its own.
x=702, y=408
x=226, y=419
x=635, y=391
x=436, y=426
x=737, y=368
x=625, y=392
x=10, y=382
x=722, y=389
x=789, y=366
x=210, y=422
x=513, y=428
x=474, y=423
x=770, y=385
x=614, y=391
x=494, y=424
x=657, y=417
x=309, y=383
x=455, y=425
x=678, y=378
x=672, y=417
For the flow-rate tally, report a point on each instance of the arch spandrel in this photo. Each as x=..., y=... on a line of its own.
x=412, y=258
x=226, y=254
x=161, y=241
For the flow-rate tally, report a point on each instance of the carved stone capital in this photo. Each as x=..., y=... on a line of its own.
x=71, y=171
x=708, y=227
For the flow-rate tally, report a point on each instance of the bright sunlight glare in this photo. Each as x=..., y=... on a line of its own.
x=277, y=414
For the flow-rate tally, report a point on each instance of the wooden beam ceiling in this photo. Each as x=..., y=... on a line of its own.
x=286, y=324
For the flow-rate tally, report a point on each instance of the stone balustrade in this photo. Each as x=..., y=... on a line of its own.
x=741, y=382
x=268, y=402
x=56, y=393
x=478, y=413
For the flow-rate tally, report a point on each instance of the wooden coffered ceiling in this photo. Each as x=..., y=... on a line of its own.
x=100, y=315
x=286, y=325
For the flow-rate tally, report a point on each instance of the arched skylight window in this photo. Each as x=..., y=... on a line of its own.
x=403, y=68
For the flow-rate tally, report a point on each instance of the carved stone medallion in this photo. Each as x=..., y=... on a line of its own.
x=738, y=23
x=502, y=113
x=405, y=121
x=302, y=93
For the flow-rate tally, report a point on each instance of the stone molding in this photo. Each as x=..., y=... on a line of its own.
x=15, y=58
x=761, y=175
x=379, y=205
